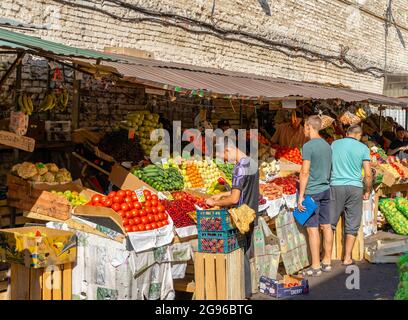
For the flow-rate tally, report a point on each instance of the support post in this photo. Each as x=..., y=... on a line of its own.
x=75, y=102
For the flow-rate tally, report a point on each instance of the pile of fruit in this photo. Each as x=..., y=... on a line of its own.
x=181, y=195
x=395, y=218
x=217, y=245
x=400, y=171
x=390, y=169
x=269, y=168
x=143, y=122
x=227, y=168
x=191, y=175
x=40, y=172
x=270, y=191
x=178, y=211
x=291, y=154
x=288, y=184
x=159, y=178
x=74, y=198
x=209, y=172
x=136, y=216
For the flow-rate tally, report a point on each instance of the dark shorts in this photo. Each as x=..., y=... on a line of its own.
x=347, y=199
x=322, y=213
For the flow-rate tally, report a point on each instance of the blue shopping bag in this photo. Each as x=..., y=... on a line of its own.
x=310, y=206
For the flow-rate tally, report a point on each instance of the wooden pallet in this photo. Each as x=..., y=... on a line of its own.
x=219, y=276
x=41, y=284
x=339, y=239
x=386, y=248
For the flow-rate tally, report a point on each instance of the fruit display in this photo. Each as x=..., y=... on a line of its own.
x=269, y=169
x=378, y=153
x=261, y=138
x=143, y=122
x=291, y=154
x=270, y=191
x=26, y=104
x=212, y=243
x=192, y=176
x=72, y=196
x=181, y=195
x=361, y=113
x=390, y=169
x=58, y=99
x=159, y=178
x=136, y=216
x=288, y=184
x=227, y=168
x=118, y=145
x=402, y=205
x=209, y=172
x=394, y=217
x=40, y=172
x=400, y=170
x=348, y=118
x=264, y=152
x=178, y=211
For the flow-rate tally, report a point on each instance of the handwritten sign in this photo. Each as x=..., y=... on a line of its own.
x=20, y=142
x=140, y=195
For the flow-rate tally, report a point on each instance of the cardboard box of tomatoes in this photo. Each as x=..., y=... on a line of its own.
x=289, y=286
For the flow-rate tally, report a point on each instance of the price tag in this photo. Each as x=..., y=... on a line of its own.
x=140, y=195
x=165, y=163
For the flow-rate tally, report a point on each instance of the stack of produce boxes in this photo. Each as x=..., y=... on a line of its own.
x=216, y=232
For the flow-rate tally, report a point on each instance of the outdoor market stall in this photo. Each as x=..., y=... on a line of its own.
x=138, y=225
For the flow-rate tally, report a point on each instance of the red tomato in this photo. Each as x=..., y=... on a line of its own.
x=121, y=213
x=148, y=198
x=161, y=209
x=121, y=193
x=165, y=215
x=131, y=205
x=96, y=198
x=137, y=220
x=156, y=218
x=135, y=228
x=155, y=197
x=128, y=215
x=165, y=222
x=148, y=227
x=148, y=210
x=154, y=203
x=125, y=222
x=137, y=205
x=128, y=192
x=133, y=193
x=133, y=213
x=150, y=217
x=117, y=199
x=116, y=207
x=154, y=225
x=131, y=222
x=160, y=216
x=141, y=227
x=159, y=224
x=128, y=200
x=128, y=229
x=154, y=210
x=147, y=203
x=124, y=206
x=143, y=212
x=112, y=194
x=134, y=198
x=108, y=202
x=147, y=193
x=145, y=220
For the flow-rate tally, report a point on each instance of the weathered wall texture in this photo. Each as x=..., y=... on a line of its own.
x=318, y=25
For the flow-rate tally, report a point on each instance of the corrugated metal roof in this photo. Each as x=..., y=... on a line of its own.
x=12, y=39
x=168, y=75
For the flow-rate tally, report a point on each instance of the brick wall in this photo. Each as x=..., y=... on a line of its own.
x=318, y=25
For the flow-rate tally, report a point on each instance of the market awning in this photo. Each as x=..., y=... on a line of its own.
x=16, y=40
x=173, y=76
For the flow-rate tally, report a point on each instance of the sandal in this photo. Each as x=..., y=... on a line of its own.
x=348, y=264
x=326, y=267
x=312, y=272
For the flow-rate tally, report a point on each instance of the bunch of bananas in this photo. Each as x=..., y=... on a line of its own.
x=63, y=100
x=26, y=104
x=360, y=112
x=49, y=102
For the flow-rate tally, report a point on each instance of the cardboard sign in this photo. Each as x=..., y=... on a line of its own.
x=123, y=179
x=140, y=195
x=20, y=142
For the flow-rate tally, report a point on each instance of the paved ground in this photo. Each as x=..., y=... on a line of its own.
x=377, y=282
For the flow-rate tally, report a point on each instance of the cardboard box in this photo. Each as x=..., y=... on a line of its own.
x=388, y=178
x=123, y=179
x=278, y=289
x=52, y=248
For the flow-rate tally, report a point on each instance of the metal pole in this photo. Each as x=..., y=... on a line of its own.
x=406, y=119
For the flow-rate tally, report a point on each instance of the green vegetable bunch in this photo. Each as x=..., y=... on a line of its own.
x=394, y=217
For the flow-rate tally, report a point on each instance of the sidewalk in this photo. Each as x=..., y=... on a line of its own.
x=377, y=282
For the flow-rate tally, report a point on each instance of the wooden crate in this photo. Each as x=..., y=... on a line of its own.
x=339, y=242
x=219, y=276
x=385, y=247
x=41, y=284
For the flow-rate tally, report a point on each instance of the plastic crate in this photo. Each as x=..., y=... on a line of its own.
x=214, y=220
x=220, y=241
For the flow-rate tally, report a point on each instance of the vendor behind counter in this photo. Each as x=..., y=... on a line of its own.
x=289, y=134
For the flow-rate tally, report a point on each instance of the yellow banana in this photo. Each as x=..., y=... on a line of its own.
x=25, y=103
x=30, y=105
x=20, y=103
x=66, y=98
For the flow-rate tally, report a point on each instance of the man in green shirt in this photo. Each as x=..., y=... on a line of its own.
x=315, y=182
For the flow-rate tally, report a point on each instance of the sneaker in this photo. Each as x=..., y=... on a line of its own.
x=326, y=267
x=312, y=272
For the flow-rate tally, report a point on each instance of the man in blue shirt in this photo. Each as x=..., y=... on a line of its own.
x=350, y=156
